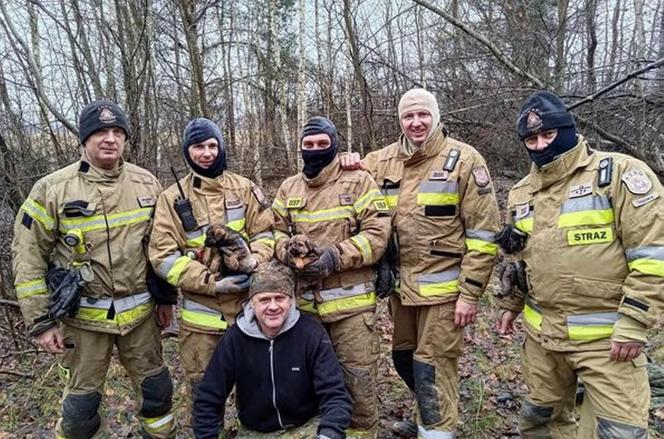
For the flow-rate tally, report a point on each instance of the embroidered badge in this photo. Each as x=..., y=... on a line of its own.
x=645, y=200
x=381, y=205
x=484, y=191
x=146, y=201
x=590, y=236
x=260, y=197
x=580, y=190
x=106, y=115
x=346, y=199
x=481, y=176
x=439, y=175
x=637, y=181
x=233, y=204
x=521, y=211
x=294, y=203
x=533, y=121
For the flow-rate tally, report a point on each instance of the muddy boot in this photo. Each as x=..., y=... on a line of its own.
x=405, y=428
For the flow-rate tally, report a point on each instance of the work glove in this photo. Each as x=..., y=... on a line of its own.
x=327, y=263
x=65, y=292
x=234, y=249
x=513, y=279
x=385, y=278
x=232, y=284
x=511, y=239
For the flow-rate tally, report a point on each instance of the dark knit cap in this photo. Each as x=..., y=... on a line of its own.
x=98, y=115
x=542, y=111
x=320, y=125
x=272, y=277
x=197, y=131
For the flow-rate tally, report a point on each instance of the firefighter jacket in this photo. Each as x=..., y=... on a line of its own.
x=181, y=258
x=595, y=250
x=445, y=216
x=109, y=214
x=336, y=208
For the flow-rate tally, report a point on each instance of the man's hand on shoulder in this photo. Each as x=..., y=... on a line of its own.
x=351, y=161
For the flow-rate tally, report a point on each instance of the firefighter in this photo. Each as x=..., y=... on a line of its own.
x=346, y=219
x=208, y=196
x=445, y=217
x=593, y=261
x=92, y=218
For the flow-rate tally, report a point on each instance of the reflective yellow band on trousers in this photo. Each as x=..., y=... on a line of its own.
x=101, y=222
x=436, y=284
x=347, y=304
x=37, y=211
x=31, y=288
x=127, y=309
x=158, y=424
x=532, y=315
x=589, y=236
x=595, y=326
x=200, y=315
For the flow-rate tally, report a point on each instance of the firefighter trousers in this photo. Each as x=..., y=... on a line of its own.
x=426, y=347
x=617, y=391
x=84, y=367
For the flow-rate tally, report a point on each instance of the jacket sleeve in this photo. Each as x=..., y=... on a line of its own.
x=335, y=403
x=640, y=224
x=481, y=221
x=373, y=217
x=259, y=225
x=210, y=400
x=168, y=243
x=35, y=234
x=281, y=221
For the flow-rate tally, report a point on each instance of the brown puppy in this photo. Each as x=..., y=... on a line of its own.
x=232, y=246
x=302, y=251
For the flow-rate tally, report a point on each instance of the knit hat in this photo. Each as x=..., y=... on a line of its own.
x=320, y=125
x=272, y=277
x=197, y=131
x=418, y=99
x=542, y=111
x=98, y=115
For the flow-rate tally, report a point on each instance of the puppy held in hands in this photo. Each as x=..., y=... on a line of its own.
x=301, y=251
x=233, y=248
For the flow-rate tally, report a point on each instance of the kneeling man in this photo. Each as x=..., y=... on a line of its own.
x=287, y=377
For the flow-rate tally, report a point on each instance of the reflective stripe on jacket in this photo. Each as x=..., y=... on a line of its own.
x=595, y=252
x=342, y=208
x=181, y=258
x=110, y=214
x=445, y=216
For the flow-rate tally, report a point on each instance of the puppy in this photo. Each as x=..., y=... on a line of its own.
x=231, y=246
x=302, y=251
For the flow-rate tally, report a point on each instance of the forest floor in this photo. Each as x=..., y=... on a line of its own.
x=490, y=386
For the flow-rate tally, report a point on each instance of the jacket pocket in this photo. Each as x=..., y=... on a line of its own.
x=77, y=209
x=600, y=288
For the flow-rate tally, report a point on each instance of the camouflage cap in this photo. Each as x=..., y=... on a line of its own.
x=272, y=277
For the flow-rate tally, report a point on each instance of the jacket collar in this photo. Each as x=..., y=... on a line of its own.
x=247, y=323
x=97, y=174
x=329, y=173
x=206, y=185
x=578, y=157
x=430, y=148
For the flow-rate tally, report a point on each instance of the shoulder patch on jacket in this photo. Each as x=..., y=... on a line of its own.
x=637, y=181
x=481, y=175
x=260, y=196
x=26, y=221
x=645, y=200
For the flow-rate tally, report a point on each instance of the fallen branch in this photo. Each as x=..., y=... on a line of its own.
x=631, y=75
x=7, y=302
x=16, y=373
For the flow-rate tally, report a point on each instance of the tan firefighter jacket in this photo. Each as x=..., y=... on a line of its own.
x=110, y=215
x=595, y=249
x=342, y=208
x=182, y=259
x=445, y=217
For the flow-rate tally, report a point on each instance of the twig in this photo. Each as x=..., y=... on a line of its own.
x=9, y=302
x=16, y=373
x=631, y=75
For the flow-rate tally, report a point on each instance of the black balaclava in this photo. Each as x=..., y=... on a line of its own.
x=197, y=131
x=544, y=111
x=316, y=160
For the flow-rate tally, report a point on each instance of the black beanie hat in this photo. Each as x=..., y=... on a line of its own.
x=316, y=160
x=98, y=115
x=320, y=125
x=197, y=131
x=542, y=111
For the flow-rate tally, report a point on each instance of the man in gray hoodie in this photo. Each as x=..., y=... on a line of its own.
x=288, y=381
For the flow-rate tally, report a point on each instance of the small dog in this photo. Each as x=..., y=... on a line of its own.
x=232, y=247
x=302, y=251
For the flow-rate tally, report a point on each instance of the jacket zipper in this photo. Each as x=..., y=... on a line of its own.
x=274, y=387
